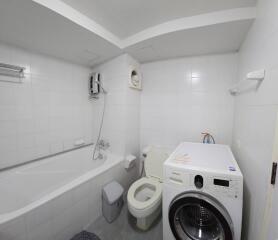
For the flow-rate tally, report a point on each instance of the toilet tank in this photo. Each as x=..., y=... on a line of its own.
x=154, y=162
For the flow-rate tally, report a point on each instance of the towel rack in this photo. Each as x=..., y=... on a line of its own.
x=256, y=76
x=11, y=71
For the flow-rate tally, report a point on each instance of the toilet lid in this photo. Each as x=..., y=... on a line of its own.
x=154, y=162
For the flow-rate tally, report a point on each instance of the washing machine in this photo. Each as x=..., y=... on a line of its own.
x=202, y=193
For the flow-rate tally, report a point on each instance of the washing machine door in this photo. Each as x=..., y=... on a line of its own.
x=197, y=216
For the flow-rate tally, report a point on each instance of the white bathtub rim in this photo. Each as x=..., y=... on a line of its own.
x=112, y=160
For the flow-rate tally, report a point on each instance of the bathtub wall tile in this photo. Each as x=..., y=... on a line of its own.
x=81, y=215
x=122, y=110
x=62, y=203
x=94, y=210
x=41, y=232
x=81, y=192
x=71, y=221
x=39, y=216
x=65, y=234
x=48, y=111
x=14, y=230
x=95, y=195
x=61, y=221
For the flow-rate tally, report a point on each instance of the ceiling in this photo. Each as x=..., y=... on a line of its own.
x=31, y=26
x=89, y=32
x=127, y=17
x=197, y=41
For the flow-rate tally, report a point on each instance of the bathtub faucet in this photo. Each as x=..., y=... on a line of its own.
x=100, y=145
x=103, y=145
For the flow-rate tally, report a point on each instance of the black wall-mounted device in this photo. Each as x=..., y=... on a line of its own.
x=94, y=85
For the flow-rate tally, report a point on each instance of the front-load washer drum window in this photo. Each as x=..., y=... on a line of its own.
x=197, y=216
x=199, y=223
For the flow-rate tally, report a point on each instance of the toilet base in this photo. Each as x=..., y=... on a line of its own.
x=146, y=222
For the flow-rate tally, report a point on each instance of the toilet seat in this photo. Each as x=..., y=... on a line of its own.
x=153, y=201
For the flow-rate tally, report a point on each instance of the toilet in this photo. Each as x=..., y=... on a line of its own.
x=145, y=195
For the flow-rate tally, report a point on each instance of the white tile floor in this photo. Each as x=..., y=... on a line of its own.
x=123, y=228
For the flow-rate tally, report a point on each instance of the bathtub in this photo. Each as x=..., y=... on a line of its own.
x=34, y=197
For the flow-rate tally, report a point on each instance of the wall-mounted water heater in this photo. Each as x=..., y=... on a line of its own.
x=94, y=85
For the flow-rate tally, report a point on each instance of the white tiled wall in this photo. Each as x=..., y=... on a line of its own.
x=58, y=104
x=47, y=112
x=183, y=97
x=255, y=114
x=121, y=121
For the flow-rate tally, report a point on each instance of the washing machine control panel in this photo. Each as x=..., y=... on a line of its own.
x=224, y=185
x=221, y=182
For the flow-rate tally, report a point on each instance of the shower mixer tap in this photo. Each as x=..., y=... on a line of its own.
x=103, y=145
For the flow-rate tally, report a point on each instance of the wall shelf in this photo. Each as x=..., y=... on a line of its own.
x=255, y=77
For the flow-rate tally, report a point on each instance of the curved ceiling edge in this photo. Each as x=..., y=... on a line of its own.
x=186, y=23
x=73, y=15
x=180, y=24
